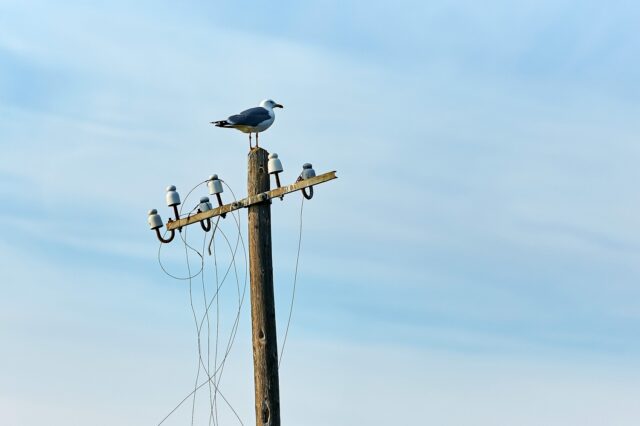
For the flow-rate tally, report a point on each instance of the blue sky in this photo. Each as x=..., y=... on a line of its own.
x=476, y=262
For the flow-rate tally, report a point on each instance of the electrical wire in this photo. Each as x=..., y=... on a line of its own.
x=186, y=252
x=183, y=237
x=218, y=368
x=295, y=281
x=228, y=349
x=214, y=407
x=189, y=277
x=240, y=301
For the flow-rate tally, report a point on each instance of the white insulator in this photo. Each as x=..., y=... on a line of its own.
x=154, y=219
x=205, y=205
x=274, y=166
x=307, y=171
x=215, y=186
x=173, y=199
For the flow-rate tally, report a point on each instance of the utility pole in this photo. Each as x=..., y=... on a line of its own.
x=258, y=203
x=263, y=312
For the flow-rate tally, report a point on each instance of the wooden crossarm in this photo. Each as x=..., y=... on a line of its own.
x=246, y=202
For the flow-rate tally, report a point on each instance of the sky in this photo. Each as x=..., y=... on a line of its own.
x=475, y=262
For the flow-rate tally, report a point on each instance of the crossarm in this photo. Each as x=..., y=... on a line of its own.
x=246, y=202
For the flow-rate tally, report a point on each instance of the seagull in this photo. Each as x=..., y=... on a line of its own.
x=252, y=120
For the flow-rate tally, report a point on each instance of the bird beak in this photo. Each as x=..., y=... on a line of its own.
x=278, y=106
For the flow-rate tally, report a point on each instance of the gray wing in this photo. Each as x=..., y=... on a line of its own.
x=251, y=117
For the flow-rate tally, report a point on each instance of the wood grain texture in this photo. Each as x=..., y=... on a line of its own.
x=263, y=316
x=250, y=200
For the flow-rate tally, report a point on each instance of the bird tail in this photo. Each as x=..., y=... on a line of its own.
x=221, y=123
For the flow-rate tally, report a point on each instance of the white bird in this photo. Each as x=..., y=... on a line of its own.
x=252, y=120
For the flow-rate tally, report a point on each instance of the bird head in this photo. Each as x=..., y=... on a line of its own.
x=270, y=104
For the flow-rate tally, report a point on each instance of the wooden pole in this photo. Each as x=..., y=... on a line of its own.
x=263, y=315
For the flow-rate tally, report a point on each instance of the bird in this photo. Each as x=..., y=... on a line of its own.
x=252, y=120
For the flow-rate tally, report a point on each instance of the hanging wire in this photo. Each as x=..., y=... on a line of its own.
x=204, y=299
x=295, y=280
x=214, y=405
x=218, y=376
x=189, y=277
x=228, y=349
x=218, y=368
x=186, y=252
x=183, y=237
x=240, y=303
x=213, y=412
x=198, y=329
